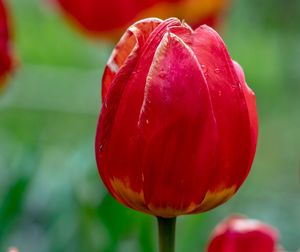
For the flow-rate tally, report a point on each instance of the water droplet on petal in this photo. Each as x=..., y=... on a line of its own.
x=147, y=121
x=101, y=148
x=162, y=75
x=220, y=93
x=217, y=70
x=204, y=69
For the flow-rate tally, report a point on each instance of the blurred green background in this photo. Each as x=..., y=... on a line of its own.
x=51, y=197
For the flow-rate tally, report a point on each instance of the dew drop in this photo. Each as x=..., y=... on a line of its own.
x=147, y=121
x=217, y=70
x=204, y=69
x=101, y=148
x=220, y=93
x=162, y=75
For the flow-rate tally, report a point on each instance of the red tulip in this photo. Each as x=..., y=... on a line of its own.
x=5, y=51
x=178, y=127
x=109, y=18
x=238, y=234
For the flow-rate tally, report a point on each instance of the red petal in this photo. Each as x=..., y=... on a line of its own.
x=128, y=46
x=178, y=129
x=117, y=134
x=230, y=108
x=116, y=75
x=251, y=104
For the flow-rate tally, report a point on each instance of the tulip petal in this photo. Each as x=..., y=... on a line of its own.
x=177, y=126
x=116, y=75
x=128, y=46
x=231, y=112
x=118, y=143
x=251, y=104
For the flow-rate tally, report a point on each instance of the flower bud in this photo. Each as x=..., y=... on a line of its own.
x=239, y=234
x=110, y=18
x=178, y=126
x=5, y=50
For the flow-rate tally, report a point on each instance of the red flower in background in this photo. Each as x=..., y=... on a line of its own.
x=239, y=234
x=110, y=18
x=178, y=127
x=5, y=50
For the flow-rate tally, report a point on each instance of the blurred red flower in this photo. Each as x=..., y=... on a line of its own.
x=5, y=46
x=178, y=127
x=239, y=234
x=110, y=18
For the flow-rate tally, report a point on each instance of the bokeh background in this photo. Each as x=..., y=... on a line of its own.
x=51, y=197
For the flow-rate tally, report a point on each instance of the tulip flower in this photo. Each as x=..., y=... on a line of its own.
x=178, y=126
x=110, y=18
x=239, y=234
x=5, y=51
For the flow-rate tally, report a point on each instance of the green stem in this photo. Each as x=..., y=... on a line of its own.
x=166, y=232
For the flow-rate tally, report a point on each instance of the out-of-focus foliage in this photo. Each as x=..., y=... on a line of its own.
x=51, y=198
